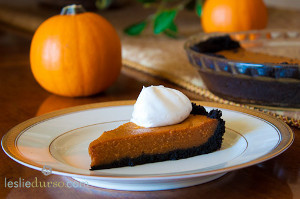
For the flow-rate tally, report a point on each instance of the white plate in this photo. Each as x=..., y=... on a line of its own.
x=60, y=140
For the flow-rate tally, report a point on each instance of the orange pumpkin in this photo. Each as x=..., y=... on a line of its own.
x=233, y=15
x=76, y=53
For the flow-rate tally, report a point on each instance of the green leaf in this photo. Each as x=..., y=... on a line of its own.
x=199, y=5
x=173, y=27
x=163, y=20
x=103, y=4
x=172, y=30
x=136, y=29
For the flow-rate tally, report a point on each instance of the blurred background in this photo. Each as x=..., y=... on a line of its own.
x=27, y=15
x=154, y=54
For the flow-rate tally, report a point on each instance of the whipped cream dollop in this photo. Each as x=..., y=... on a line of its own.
x=160, y=106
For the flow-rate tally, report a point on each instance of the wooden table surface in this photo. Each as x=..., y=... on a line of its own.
x=22, y=98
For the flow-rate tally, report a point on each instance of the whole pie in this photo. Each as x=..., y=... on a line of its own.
x=130, y=144
x=235, y=72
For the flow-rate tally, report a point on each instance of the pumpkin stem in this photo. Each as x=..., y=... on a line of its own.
x=72, y=10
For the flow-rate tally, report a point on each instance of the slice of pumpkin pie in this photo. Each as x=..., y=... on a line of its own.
x=131, y=144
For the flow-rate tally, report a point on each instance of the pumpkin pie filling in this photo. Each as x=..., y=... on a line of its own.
x=226, y=47
x=130, y=144
x=241, y=54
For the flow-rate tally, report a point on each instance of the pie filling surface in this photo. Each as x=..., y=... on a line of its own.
x=241, y=54
x=226, y=47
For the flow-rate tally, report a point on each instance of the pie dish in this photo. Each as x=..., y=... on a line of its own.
x=252, y=81
x=130, y=144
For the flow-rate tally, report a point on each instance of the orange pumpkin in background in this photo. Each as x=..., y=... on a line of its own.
x=76, y=53
x=233, y=15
